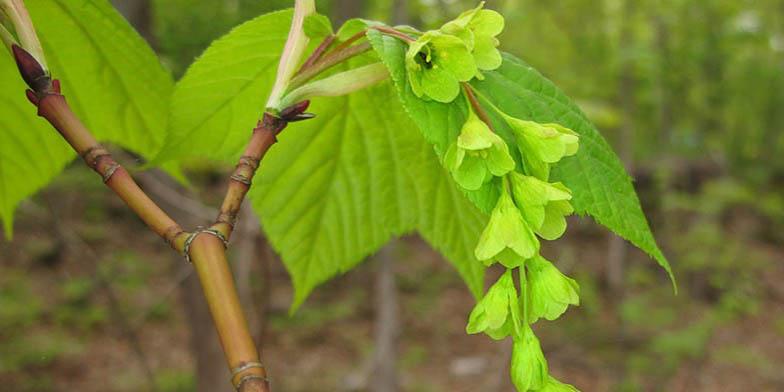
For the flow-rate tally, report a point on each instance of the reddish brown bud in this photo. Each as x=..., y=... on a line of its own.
x=32, y=71
x=294, y=110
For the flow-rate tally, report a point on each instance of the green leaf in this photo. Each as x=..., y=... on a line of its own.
x=597, y=178
x=216, y=105
x=595, y=175
x=111, y=79
x=336, y=188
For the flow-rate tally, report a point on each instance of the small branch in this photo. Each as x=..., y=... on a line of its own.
x=397, y=34
x=45, y=94
x=477, y=107
x=345, y=44
x=207, y=252
x=322, y=48
x=209, y=258
x=327, y=63
x=264, y=136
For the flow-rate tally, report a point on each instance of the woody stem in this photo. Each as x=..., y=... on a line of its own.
x=206, y=252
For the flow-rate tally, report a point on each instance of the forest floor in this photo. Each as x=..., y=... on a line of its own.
x=60, y=331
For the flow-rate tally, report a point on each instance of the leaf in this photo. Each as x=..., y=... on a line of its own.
x=110, y=77
x=600, y=185
x=336, y=188
x=216, y=104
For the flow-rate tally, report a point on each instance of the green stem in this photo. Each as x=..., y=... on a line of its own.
x=523, y=292
x=316, y=55
x=327, y=63
x=394, y=33
x=476, y=106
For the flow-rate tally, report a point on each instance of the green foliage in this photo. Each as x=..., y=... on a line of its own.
x=175, y=380
x=333, y=189
x=216, y=104
x=112, y=80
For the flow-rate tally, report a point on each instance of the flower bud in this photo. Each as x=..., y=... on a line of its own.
x=477, y=155
x=529, y=368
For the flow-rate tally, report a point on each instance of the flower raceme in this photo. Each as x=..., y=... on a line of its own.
x=477, y=155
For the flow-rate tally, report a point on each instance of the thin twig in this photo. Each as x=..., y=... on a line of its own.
x=345, y=44
x=397, y=34
x=322, y=48
x=327, y=63
x=477, y=107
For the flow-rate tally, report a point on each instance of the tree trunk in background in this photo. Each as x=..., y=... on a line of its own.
x=343, y=10
x=617, y=247
x=387, y=321
x=387, y=315
x=665, y=85
x=139, y=14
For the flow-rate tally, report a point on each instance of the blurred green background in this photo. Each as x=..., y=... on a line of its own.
x=689, y=93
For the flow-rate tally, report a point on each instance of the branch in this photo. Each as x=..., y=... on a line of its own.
x=45, y=94
x=207, y=252
x=263, y=137
x=328, y=62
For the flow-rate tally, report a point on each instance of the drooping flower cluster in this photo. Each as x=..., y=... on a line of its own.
x=515, y=166
x=441, y=59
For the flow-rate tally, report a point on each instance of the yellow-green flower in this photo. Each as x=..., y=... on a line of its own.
x=498, y=313
x=544, y=205
x=554, y=385
x=477, y=155
x=507, y=237
x=529, y=368
x=549, y=291
x=436, y=64
x=542, y=144
x=478, y=28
